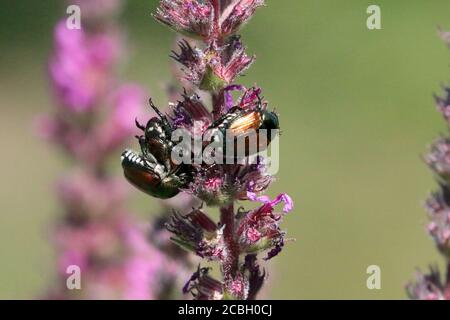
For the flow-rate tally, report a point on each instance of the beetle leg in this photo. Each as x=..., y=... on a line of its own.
x=166, y=122
x=140, y=126
x=151, y=160
x=141, y=140
x=260, y=101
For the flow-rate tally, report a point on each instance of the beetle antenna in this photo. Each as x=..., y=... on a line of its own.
x=159, y=113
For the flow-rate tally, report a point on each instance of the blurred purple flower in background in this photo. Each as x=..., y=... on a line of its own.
x=119, y=257
x=82, y=65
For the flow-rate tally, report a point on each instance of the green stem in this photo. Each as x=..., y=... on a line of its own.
x=231, y=263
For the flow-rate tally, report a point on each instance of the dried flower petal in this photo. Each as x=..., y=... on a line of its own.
x=204, y=287
x=198, y=233
x=237, y=14
x=193, y=18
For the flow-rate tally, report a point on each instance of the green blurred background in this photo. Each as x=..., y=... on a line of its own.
x=356, y=109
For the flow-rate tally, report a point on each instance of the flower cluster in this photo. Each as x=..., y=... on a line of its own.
x=430, y=286
x=214, y=67
x=207, y=20
x=94, y=117
x=211, y=60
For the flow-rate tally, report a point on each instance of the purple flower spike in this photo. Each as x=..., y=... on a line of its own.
x=431, y=286
x=94, y=116
x=210, y=62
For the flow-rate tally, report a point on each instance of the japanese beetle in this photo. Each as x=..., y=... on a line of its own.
x=153, y=172
x=152, y=177
x=243, y=123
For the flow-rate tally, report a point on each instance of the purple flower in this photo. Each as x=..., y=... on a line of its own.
x=191, y=114
x=443, y=104
x=439, y=226
x=213, y=68
x=90, y=198
x=438, y=158
x=228, y=67
x=238, y=287
x=115, y=258
x=96, y=115
x=237, y=14
x=250, y=98
x=80, y=67
x=220, y=185
x=428, y=286
x=191, y=17
x=259, y=229
x=283, y=197
x=228, y=97
x=207, y=20
x=198, y=233
x=147, y=268
x=193, y=60
x=92, y=144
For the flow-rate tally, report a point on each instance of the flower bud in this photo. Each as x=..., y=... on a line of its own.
x=438, y=158
x=236, y=288
x=439, y=226
x=214, y=68
x=204, y=287
x=193, y=18
x=198, y=233
x=237, y=14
